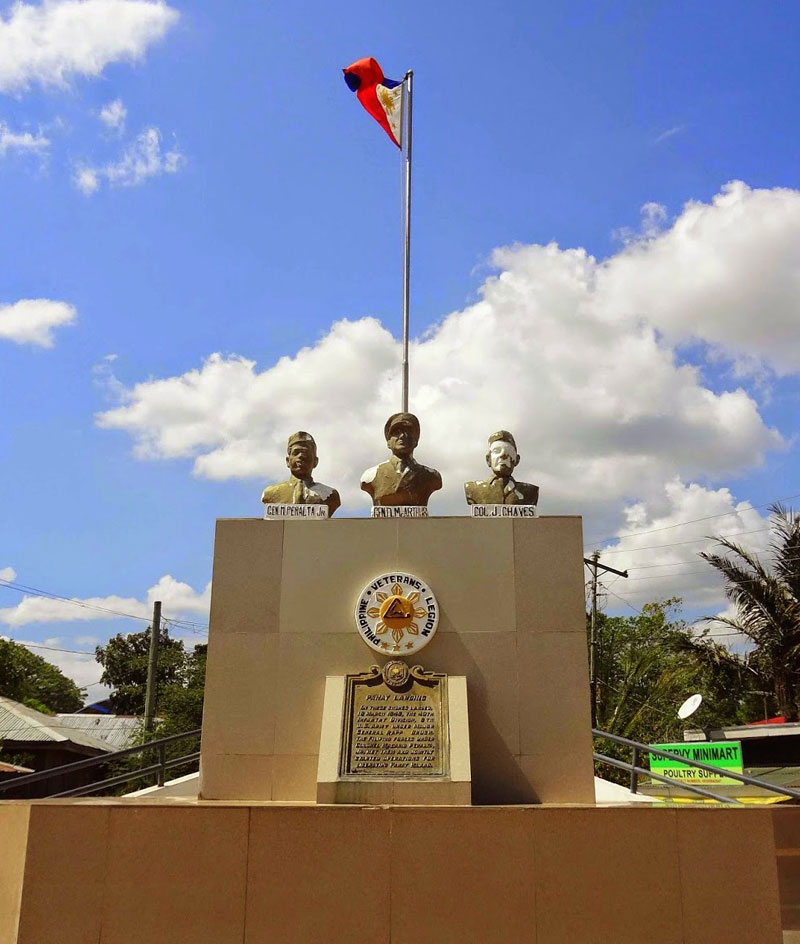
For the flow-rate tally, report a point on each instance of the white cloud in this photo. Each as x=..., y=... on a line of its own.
x=21, y=142
x=670, y=133
x=86, y=180
x=113, y=115
x=32, y=320
x=142, y=159
x=661, y=557
x=8, y=573
x=83, y=669
x=653, y=218
x=178, y=599
x=726, y=273
x=553, y=350
x=563, y=350
x=51, y=42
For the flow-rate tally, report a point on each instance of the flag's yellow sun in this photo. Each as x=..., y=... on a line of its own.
x=397, y=613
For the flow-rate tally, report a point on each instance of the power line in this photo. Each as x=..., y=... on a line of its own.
x=688, y=563
x=710, y=635
x=650, y=547
x=687, y=573
x=635, y=609
x=37, y=591
x=723, y=514
x=33, y=645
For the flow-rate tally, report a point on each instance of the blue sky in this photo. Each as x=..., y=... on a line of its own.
x=245, y=204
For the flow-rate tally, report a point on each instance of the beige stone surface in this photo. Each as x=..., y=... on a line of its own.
x=548, y=566
x=470, y=568
x=230, y=709
x=323, y=572
x=786, y=826
x=245, y=585
x=731, y=845
x=244, y=776
x=605, y=878
x=13, y=843
x=180, y=869
x=317, y=876
x=119, y=871
x=472, y=877
x=66, y=861
x=282, y=620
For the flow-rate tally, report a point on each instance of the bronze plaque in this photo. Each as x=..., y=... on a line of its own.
x=395, y=724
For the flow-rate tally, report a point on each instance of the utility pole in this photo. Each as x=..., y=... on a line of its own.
x=593, y=640
x=152, y=669
x=593, y=563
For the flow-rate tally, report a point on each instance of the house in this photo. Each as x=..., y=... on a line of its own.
x=47, y=742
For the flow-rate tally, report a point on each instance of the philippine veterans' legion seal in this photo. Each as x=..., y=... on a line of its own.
x=397, y=614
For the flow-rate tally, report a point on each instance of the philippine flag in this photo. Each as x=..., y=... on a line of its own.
x=382, y=97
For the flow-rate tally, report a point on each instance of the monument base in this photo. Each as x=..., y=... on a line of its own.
x=124, y=872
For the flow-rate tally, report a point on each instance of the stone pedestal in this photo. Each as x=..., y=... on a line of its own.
x=512, y=622
x=123, y=872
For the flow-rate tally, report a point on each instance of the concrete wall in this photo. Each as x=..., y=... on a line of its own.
x=217, y=873
x=512, y=621
x=786, y=824
x=13, y=846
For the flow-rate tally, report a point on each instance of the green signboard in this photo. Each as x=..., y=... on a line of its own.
x=724, y=754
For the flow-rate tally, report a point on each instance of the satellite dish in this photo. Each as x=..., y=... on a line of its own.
x=690, y=706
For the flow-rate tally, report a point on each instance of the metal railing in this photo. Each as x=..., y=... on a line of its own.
x=636, y=770
x=159, y=769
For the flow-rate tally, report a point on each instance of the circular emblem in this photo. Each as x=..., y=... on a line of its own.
x=397, y=614
x=395, y=674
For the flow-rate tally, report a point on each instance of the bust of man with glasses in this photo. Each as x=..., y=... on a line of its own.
x=501, y=488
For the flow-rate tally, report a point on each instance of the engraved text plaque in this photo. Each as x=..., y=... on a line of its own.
x=395, y=724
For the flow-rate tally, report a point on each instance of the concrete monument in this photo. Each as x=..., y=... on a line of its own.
x=300, y=488
x=401, y=480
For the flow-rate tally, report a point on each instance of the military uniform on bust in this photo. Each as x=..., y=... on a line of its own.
x=501, y=488
x=401, y=480
x=300, y=488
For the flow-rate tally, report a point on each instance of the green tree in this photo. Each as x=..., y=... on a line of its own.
x=648, y=664
x=181, y=705
x=35, y=682
x=180, y=709
x=767, y=601
x=124, y=660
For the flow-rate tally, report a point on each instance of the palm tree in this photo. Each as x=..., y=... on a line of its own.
x=767, y=599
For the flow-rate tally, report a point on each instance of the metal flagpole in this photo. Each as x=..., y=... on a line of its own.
x=408, y=78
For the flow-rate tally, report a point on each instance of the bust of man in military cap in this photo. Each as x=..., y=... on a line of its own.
x=501, y=488
x=401, y=480
x=300, y=488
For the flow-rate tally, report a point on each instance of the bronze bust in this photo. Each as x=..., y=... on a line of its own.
x=401, y=480
x=501, y=488
x=300, y=488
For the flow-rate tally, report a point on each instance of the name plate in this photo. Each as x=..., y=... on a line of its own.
x=399, y=511
x=503, y=511
x=295, y=511
x=395, y=724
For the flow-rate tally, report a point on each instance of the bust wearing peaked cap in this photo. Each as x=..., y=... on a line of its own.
x=401, y=480
x=300, y=488
x=501, y=488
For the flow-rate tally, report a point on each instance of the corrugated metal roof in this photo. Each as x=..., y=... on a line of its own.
x=117, y=730
x=21, y=724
